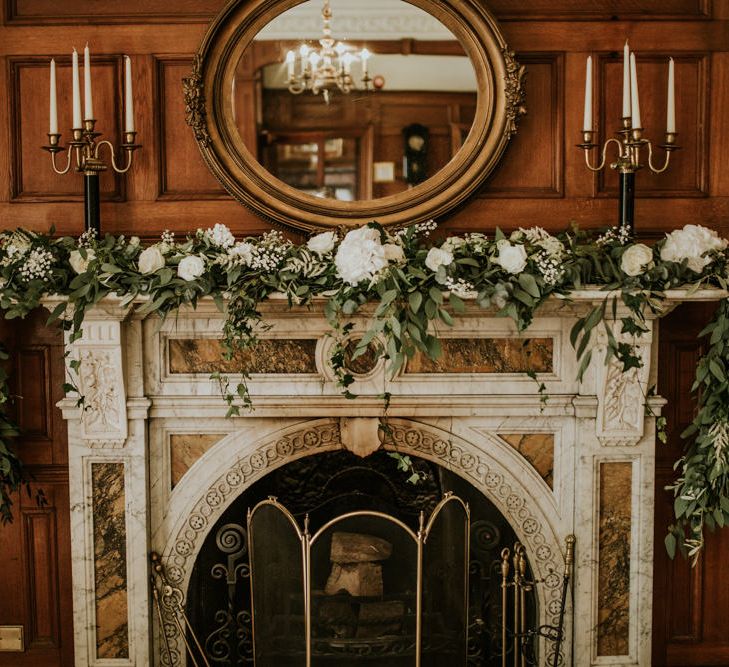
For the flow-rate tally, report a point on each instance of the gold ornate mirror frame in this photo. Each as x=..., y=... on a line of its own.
x=208, y=93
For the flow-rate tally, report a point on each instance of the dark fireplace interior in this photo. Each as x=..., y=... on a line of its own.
x=326, y=486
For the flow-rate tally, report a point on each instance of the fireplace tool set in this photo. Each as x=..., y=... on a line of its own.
x=521, y=638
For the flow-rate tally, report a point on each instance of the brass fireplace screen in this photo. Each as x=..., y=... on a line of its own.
x=363, y=587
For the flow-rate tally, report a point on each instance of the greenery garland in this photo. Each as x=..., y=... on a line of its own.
x=417, y=287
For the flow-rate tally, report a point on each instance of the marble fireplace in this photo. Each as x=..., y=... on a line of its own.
x=155, y=464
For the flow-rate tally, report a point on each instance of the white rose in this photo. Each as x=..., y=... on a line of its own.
x=360, y=256
x=690, y=243
x=191, y=267
x=78, y=263
x=636, y=259
x=151, y=259
x=134, y=241
x=394, y=252
x=438, y=257
x=322, y=244
x=512, y=258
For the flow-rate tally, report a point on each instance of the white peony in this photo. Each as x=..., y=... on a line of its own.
x=511, y=258
x=322, y=244
x=360, y=256
x=79, y=263
x=636, y=259
x=220, y=236
x=691, y=243
x=241, y=254
x=151, y=259
x=552, y=246
x=438, y=257
x=452, y=243
x=394, y=252
x=191, y=267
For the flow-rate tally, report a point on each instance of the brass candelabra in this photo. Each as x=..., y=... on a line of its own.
x=84, y=155
x=629, y=143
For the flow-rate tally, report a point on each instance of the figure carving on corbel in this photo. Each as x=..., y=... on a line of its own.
x=101, y=386
x=622, y=400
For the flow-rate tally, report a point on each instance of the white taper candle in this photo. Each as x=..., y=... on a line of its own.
x=671, y=109
x=53, y=129
x=128, y=99
x=626, y=81
x=88, y=102
x=587, y=123
x=634, y=101
x=76, y=85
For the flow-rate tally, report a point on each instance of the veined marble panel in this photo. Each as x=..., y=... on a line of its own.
x=110, y=560
x=613, y=587
x=185, y=449
x=537, y=449
x=487, y=355
x=270, y=355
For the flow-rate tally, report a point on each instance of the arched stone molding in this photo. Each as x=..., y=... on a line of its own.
x=253, y=458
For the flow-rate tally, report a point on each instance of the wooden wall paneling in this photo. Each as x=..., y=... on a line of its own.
x=533, y=165
x=719, y=123
x=182, y=171
x=32, y=177
x=687, y=175
x=35, y=589
x=109, y=11
x=691, y=605
x=41, y=565
x=606, y=10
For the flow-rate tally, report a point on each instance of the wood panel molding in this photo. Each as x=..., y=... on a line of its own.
x=541, y=132
x=24, y=12
x=601, y=10
x=41, y=563
x=31, y=176
x=182, y=172
x=688, y=174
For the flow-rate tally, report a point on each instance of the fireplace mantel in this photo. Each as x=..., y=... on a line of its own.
x=154, y=462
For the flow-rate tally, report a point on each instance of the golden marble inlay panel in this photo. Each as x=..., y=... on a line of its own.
x=110, y=560
x=488, y=355
x=613, y=576
x=186, y=449
x=537, y=449
x=270, y=356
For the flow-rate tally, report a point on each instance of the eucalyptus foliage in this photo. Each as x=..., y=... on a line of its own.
x=412, y=289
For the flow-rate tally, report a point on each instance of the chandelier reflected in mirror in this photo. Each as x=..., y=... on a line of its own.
x=327, y=68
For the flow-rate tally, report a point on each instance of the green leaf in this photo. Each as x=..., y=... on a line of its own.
x=415, y=299
x=436, y=295
x=670, y=542
x=529, y=284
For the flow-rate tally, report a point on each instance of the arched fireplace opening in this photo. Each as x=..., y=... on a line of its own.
x=325, y=486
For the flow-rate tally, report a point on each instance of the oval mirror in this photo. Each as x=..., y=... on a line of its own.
x=328, y=112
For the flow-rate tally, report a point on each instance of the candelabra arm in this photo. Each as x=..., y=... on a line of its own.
x=128, y=148
x=650, y=160
x=70, y=151
x=603, y=158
